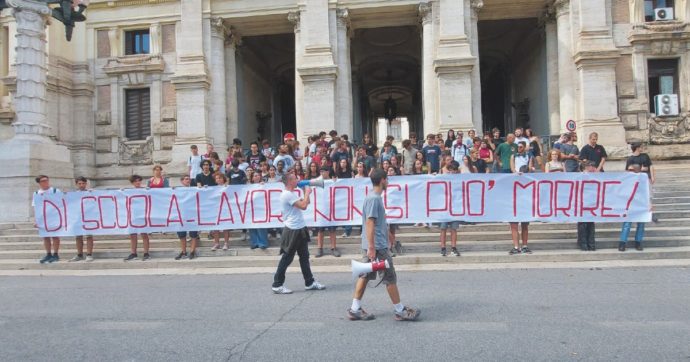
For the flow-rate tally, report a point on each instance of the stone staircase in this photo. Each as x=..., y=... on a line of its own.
x=20, y=246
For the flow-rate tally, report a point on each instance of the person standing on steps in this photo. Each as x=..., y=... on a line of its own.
x=585, y=230
x=81, y=183
x=135, y=180
x=294, y=238
x=186, y=181
x=375, y=246
x=44, y=187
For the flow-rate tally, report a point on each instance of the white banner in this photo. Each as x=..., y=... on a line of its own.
x=552, y=197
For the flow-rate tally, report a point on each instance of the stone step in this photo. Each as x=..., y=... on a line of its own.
x=672, y=207
x=270, y=261
x=501, y=233
x=166, y=250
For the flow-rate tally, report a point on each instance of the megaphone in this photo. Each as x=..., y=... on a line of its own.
x=313, y=183
x=366, y=268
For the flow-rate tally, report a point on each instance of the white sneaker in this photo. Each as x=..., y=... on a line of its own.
x=281, y=290
x=344, y=235
x=315, y=286
x=215, y=247
x=89, y=258
x=76, y=258
x=225, y=246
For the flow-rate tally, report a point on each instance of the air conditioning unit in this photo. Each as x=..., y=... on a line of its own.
x=666, y=105
x=663, y=14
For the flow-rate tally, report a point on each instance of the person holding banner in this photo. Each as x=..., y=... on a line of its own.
x=135, y=180
x=49, y=243
x=326, y=174
x=586, y=230
x=81, y=183
x=205, y=178
x=452, y=168
x=519, y=163
x=157, y=181
x=186, y=181
x=222, y=180
x=295, y=237
x=375, y=246
x=625, y=230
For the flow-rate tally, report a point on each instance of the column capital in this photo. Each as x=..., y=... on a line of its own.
x=218, y=28
x=38, y=7
x=232, y=37
x=343, y=16
x=561, y=7
x=294, y=18
x=425, y=13
x=476, y=6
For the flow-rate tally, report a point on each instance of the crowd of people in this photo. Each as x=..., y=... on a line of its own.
x=333, y=156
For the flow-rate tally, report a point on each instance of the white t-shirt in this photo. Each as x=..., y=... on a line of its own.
x=41, y=192
x=195, y=163
x=288, y=161
x=292, y=216
x=522, y=139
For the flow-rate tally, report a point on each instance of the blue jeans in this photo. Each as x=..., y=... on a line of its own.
x=625, y=231
x=258, y=237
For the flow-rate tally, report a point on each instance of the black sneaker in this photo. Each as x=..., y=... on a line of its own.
x=525, y=250
x=146, y=257
x=131, y=257
x=443, y=251
x=46, y=259
x=192, y=255
x=514, y=251
x=638, y=246
x=398, y=247
x=454, y=252
x=319, y=253
x=391, y=251
x=621, y=247
x=181, y=256
x=54, y=259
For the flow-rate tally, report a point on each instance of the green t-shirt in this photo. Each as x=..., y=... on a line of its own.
x=504, y=151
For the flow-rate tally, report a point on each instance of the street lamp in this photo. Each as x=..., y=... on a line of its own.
x=67, y=12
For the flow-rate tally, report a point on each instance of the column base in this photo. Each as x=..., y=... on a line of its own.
x=24, y=161
x=611, y=136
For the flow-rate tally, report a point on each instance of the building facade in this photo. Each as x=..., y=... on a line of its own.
x=142, y=80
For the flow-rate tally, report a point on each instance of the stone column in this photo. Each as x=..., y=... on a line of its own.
x=30, y=151
x=232, y=113
x=596, y=60
x=343, y=105
x=294, y=18
x=217, y=93
x=637, y=11
x=317, y=70
x=429, y=120
x=155, y=39
x=191, y=84
x=453, y=65
x=553, y=106
x=566, y=65
x=477, y=120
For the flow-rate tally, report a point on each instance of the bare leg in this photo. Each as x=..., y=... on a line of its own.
x=226, y=236
x=453, y=238
x=195, y=241
x=332, y=236
x=145, y=238
x=80, y=245
x=89, y=245
x=525, y=233
x=183, y=245
x=514, y=233
x=443, y=238
x=360, y=287
x=319, y=239
x=56, y=246
x=393, y=293
x=133, y=243
x=46, y=245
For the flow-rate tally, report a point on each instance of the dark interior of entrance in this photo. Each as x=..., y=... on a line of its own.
x=512, y=57
x=266, y=86
x=386, y=65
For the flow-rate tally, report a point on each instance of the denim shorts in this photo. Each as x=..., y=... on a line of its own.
x=192, y=234
x=453, y=225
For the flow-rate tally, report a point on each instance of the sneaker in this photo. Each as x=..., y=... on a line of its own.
x=621, y=247
x=46, y=259
x=281, y=290
x=454, y=252
x=344, y=235
x=514, y=251
x=443, y=252
x=215, y=247
x=526, y=250
x=253, y=247
x=225, y=246
x=146, y=257
x=89, y=258
x=655, y=218
x=319, y=253
x=181, y=256
x=54, y=259
x=131, y=257
x=263, y=247
x=192, y=255
x=335, y=252
x=76, y=258
x=359, y=315
x=244, y=237
x=408, y=314
x=315, y=286
x=638, y=246
x=391, y=251
x=398, y=247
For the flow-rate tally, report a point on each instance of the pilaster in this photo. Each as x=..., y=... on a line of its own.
x=548, y=20
x=217, y=91
x=231, y=42
x=343, y=105
x=426, y=17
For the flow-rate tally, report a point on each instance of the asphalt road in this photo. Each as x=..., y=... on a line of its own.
x=504, y=315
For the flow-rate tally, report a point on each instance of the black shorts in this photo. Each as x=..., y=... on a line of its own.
x=388, y=275
x=192, y=234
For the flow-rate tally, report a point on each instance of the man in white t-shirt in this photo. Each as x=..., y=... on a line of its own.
x=194, y=164
x=44, y=188
x=294, y=238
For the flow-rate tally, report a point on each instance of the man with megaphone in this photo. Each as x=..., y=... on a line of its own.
x=375, y=244
x=294, y=238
